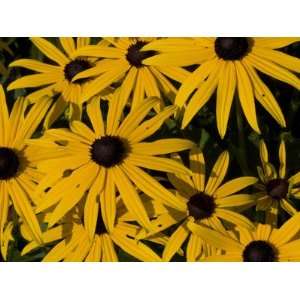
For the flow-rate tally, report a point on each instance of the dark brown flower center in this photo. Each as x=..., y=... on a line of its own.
x=232, y=48
x=201, y=206
x=100, y=226
x=277, y=188
x=9, y=163
x=135, y=56
x=259, y=251
x=108, y=151
x=74, y=67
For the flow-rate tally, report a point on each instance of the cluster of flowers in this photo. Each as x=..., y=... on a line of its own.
x=104, y=183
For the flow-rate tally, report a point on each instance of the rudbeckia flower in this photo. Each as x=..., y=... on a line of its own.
x=106, y=159
x=228, y=64
x=70, y=240
x=263, y=244
x=204, y=203
x=18, y=175
x=123, y=59
x=57, y=77
x=276, y=187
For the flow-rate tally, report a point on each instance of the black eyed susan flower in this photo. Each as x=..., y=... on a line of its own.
x=276, y=187
x=56, y=78
x=123, y=59
x=71, y=241
x=228, y=64
x=18, y=175
x=263, y=244
x=205, y=203
x=106, y=159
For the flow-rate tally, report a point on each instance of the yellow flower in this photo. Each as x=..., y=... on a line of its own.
x=124, y=60
x=72, y=242
x=228, y=64
x=18, y=175
x=275, y=187
x=107, y=158
x=263, y=244
x=57, y=77
x=205, y=203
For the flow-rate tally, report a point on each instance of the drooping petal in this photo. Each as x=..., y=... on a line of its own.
x=175, y=242
x=225, y=93
x=130, y=196
x=151, y=187
x=135, y=248
x=215, y=238
x=246, y=96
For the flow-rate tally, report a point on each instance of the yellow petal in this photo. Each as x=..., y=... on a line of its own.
x=246, y=96
x=282, y=159
x=279, y=58
x=135, y=248
x=225, y=93
x=96, y=51
x=69, y=200
x=135, y=117
x=273, y=70
x=157, y=163
x=218, y=173
x=287, y=231
x=215, y=238
x=34, y=65
x=197, y=165
x=130, y=197
x=181, y=58
x=234, y=186
x=234, y=218
x=151, y=187
x=175, y=242
x=127, y=86
x=4, y=118
x=24, y=209
x=236, y=200
x=68, y=44
x=201, y=96
x=95, y=251
x=263, y=232
x=95, y=115
x=193, y=81
x=194, y=248
x=149, y=127
x=108, y=203
x=108, y=249
x=91, y=207
x=264, y=95
x=50, y=50
x=163, y=146
x=32, y=120
x=275, y=42
x=79, y=128
x=102, y=81
x=36, y=80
